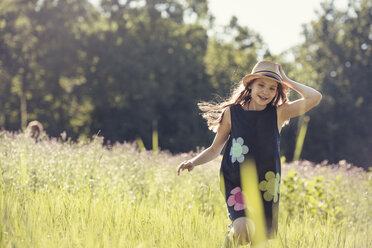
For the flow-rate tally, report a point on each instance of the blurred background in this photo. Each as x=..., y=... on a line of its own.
x=135, y=69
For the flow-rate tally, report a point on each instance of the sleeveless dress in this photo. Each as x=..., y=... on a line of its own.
x=254, y=137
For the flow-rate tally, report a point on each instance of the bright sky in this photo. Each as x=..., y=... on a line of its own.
x=277, y=21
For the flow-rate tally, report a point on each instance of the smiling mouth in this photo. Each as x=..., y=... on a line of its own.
x=263, y=98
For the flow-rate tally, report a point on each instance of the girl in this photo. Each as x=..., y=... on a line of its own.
x=250, y=121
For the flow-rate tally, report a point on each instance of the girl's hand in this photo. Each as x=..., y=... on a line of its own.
x=185, y=165
x=310, y=98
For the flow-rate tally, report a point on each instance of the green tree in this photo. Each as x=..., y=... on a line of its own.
x=149, y=70
x=337, y=54
x=17, y=44
x=42, y=45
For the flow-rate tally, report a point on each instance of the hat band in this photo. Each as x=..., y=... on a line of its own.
x=275, y=76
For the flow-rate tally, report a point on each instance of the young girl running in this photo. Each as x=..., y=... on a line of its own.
x=250, y=121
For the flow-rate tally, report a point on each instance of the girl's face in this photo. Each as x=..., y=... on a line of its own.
x=263, y=91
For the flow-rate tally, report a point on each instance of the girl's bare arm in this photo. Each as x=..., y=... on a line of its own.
x=214, y=149
x=310, y=98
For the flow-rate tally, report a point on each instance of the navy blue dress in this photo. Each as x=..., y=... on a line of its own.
x=255, y=137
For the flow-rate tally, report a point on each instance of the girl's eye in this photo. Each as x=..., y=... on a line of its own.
x=272, y=89
x=261, y=85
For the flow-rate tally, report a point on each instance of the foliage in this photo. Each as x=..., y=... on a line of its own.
x=58, y=193
x=112, y=70
x=41, y=61
x=337, y=54
x=309, y=195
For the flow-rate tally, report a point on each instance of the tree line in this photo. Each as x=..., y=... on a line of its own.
x=125, y=68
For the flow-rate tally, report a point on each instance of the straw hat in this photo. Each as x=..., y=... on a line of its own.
x=266, y=69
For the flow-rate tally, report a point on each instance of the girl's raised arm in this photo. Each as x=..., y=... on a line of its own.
x=310, y=98
x=214, y=149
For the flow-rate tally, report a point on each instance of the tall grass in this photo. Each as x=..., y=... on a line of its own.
x=64, y=194
x=303, y=123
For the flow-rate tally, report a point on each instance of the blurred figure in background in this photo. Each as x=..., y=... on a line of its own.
x=35, y=129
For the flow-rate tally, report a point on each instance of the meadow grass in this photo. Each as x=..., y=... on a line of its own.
x=84, y=194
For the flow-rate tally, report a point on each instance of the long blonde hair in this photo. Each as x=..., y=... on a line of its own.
x=213, y=112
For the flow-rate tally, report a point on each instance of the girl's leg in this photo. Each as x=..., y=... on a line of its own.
x=241, y=231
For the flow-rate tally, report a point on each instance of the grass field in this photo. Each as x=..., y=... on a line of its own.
x=64, y=194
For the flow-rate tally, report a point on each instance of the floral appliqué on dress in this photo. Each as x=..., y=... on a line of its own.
x=236, y=199
x=238, y=149
x=271, y=185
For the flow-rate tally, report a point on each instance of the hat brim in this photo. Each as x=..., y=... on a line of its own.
x=248, y=78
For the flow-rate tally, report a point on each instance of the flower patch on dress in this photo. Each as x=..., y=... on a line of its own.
x=238, y=150
x=236, y=199
x=271, y=185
